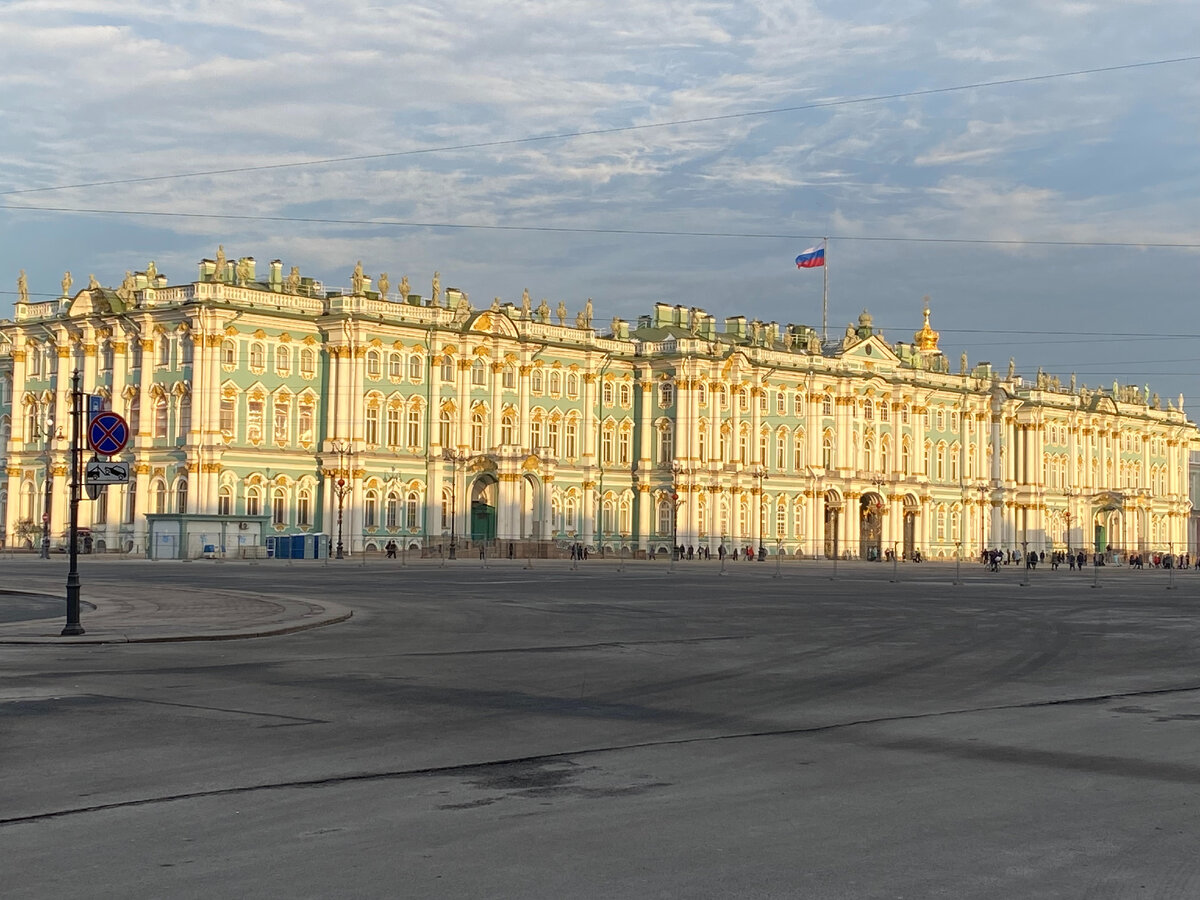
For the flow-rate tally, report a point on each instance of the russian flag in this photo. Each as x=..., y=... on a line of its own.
x=811, y=258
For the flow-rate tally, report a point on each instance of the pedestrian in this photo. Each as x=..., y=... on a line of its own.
x=390, y=547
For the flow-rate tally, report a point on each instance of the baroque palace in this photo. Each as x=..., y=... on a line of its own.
x=265, y=403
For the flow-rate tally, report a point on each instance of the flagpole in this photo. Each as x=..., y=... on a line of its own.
x=825, y=295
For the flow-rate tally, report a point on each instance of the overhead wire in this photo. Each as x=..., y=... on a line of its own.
x=636, y=232
x=617, y=129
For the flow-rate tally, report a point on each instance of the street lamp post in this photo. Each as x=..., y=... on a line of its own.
x=456, y=456
x=880, y=507
x=341, y=488
x=759, y=472
x=983, y=489
x=48, y=433
x=1069, y=494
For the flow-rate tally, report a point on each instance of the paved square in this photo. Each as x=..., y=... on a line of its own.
x=605, y=732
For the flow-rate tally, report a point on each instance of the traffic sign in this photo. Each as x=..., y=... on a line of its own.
x=105, y=471
x=108, y=433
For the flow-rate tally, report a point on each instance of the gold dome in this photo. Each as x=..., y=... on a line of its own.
x=926, y=338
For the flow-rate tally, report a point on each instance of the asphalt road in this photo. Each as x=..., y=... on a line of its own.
x=555, y=733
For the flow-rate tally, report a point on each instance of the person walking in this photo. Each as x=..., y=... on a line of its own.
x=390, y=547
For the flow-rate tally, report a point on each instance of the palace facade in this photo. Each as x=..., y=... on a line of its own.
x=268, y=404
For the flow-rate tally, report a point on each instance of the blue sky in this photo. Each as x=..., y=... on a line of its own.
x=94, y=90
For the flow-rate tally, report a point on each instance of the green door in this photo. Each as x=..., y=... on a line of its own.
x=1100, y=538
x=483, y=521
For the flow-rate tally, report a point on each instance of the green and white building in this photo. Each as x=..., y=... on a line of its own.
x=263, y=404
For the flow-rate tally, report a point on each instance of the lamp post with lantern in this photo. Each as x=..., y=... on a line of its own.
x=341, y=487
x=457, y=456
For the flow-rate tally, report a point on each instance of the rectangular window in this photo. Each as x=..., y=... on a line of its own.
x=254, y=421
x=414, y=428
x=307, y=416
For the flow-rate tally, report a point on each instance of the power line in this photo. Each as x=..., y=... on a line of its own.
x=638, y=232
x=618, y=129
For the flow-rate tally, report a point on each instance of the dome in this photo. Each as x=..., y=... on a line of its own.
x=926, y=339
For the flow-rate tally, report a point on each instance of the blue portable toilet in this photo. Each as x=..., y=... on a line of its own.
x=283, y=546
x=299, y=546
x=320, y=546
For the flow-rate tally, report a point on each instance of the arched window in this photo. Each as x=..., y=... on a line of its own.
x=869, y=410
x=135, y=415
x=160, y=416
x=258, y=357
x=416, y=368
x=445, y=428
x=163, y=359
x=130, y=501
x=665, y=514
x=781, y=449
x=279, y=506
x=283, y=360
x=869, y=455
x=479, y=373
x=392, y=511
x=571, y=514
x=555, y=382
x=607, y=434
x=282, y=410
x=371, y=509
x=508, y=429
x=374, y=364
x=826, y=405
x=552, y=432
x=536, y=438
x=572, y=439
x=827, y=451
x=904, y=458
x=626, y=395
x=884, y=413
x=158, y=490
x=744, y=445
x=478, y=429
x=412, y=509
x=395, y=366
x=666, y=444
x=702, y=441
x=225, y=501
x=372, y=424
x=572, y=385
x=508, y=377
x=798, y=450
x=666, y=394
x=253, y=501
x=447, y=367
x=606, y=394
x=941, y=462
x=393, y=426
x=414, y=425
x=181, y=497
x=304, y=507
x=308, y=362
x=781, y=518
x=185, y=415
x=624, y=445
x=535, y=381
x=447, y=506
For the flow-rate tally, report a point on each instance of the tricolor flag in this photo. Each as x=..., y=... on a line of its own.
x=811, y=258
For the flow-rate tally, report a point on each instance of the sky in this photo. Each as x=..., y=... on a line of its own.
x=465, y=105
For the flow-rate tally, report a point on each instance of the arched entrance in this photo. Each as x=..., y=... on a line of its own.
x=530, y=508
x=870, y=512
x=1108, y=528
x=910, y=525
x=483, y=508
x=833, y=509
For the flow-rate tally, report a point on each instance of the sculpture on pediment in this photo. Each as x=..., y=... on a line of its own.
x=125, y=291
x=93, y=284
x=1012, y=368
x=22, y=288
x=67, y=281
x=561, y=312
x=788, y=339
x=219, y=270
x=962, y=363
x=580, y=320
x=404, y=289
x=525, y=303
x=495, y=304
x=151, y=272
x=242, y=271
x=543, y=312
x=357, y=279
x=291, y=284
x=436, y=296
x=384, y=284
x=587, y=313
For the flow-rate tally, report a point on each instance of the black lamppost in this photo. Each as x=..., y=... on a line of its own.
x=676, y=470
x=73, y=627
x=50, y=436
x=983, y=489
x=759, y=472
x=456, y=456
x=1068, y=493
x=341, y=487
